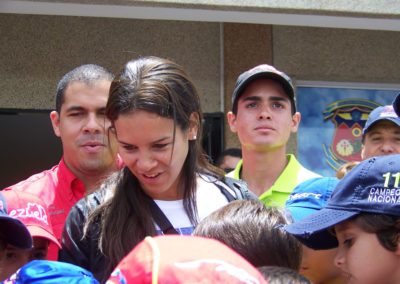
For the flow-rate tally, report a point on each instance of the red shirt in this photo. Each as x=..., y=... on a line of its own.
x=60, y=190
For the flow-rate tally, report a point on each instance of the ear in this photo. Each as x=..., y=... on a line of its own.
x=295, y=122
x=362, y=152
x=397, y=251
x=231, y=118
x=55, y=122
x=194, y=122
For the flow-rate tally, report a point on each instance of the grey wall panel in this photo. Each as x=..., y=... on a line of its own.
x=37, y=50
x=337, y=54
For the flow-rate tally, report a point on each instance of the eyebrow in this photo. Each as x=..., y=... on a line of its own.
x=279, y=99
x=272, y=98
x=153, y=142
x=74, y=108
x=252, y=98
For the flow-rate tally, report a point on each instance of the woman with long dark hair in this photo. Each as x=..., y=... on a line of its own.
x=167, y=184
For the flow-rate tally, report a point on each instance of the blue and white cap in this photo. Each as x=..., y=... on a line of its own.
x=379, y=114
x=373, y=186
x=310, y=196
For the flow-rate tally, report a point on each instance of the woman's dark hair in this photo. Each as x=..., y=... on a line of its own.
x=255, y=232
x=386, y=227
x=158, y=86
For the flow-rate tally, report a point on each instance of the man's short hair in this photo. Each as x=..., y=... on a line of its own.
x=88, y=74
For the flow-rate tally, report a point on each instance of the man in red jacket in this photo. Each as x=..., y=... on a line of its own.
x=89, y=156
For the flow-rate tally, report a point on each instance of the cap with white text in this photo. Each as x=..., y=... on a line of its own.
x=373, y=186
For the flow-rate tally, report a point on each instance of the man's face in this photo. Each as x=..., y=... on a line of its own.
x=229, y=163
x=40, y=248
x=263, y=120
x=382, y=139
x=82, y=127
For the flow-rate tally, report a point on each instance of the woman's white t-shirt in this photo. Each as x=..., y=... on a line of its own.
x=208, y=197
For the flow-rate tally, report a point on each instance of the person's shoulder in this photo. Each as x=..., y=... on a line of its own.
x=37, y=182
x=92, y=200
x=302, y=172
x=232, y=188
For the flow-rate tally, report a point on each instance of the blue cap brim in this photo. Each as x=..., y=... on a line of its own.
x=395, y=120
x=313, y=232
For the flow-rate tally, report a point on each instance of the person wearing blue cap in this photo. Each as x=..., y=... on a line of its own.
x=307, y=198
x=363, y=214
x=381, y=133
x=15, y=242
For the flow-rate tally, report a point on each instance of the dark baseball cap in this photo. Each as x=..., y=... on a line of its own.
x=396, y=105
x=12, y=230
x=264, y=71
x=370, y=187
x=379, y=114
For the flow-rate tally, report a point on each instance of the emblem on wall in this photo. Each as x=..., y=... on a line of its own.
x=348, y=117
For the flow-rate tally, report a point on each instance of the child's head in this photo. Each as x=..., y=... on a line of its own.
x=345, y=168
x=307, y=198
x=15, y=242
x=32, y=211
x=246, y=224
x=369, y=249
x=364, y=215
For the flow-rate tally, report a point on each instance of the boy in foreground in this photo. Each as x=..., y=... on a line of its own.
x=364, y=216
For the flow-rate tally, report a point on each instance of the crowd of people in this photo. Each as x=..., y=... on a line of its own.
x=134, y=199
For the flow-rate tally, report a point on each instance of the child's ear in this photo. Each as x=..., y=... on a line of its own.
x=398, y=246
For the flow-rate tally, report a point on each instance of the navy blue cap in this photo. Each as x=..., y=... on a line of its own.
x=379, y=114
x=370, y=187
x=51, y=272
x=12, y=230
x=396, y=105
x=262, y=71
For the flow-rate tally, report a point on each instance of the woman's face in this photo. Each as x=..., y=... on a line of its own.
x=147, y=147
